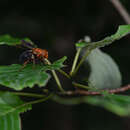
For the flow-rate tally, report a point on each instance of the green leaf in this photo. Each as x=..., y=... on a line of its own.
x=55, y=65
x=104, y=71
x=11, y=41
x=122, y=31
x=10, y=122
x=59, y=63
x=16, y=77
x=10, y=103
x=68, y=100
x=118, y=104
x=81, y=44
x=10, y=107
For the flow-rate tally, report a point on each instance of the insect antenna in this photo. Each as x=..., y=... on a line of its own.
x=26, y=44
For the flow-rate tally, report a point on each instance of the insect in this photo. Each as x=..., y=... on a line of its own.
x=32, y=54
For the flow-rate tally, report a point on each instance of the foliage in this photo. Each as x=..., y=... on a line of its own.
x=11, y=41
x=118, y=104
x=18, y=78
x=10, y=107
x=122, y=31
x=104, y=75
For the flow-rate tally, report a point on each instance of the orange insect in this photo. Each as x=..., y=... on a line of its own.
x=32, y=54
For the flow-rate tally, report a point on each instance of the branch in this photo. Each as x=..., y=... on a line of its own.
x=121, y=9
x=87, y=93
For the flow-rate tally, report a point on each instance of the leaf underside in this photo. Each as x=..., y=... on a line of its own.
x=104, y=71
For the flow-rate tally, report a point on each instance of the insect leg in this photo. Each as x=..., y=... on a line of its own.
x=25, y=63
x=33, y=60
x=44, y=61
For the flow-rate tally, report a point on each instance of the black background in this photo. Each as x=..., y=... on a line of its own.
x=56, y=26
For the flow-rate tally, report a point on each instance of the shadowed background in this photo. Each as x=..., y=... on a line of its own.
x=56, y=26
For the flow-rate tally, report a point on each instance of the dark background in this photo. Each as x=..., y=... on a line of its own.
x=56, y=25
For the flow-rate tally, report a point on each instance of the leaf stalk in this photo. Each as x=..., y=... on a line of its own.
x=82, y=60
x=55, y=77
x=28, y=94
x=81, y=85
x=75, y=61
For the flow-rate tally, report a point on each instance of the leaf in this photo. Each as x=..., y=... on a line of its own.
x=59, y=63
x=10, y=122
x=16, y=77
x=118, y=104
x=11, y=41
x=68, y=100
x=55, y=65
x=10, y=107
x=104, y=71
x=83, y=43
x=122, y=31
x=10, y=103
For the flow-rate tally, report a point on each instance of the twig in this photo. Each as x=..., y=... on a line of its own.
x=121, y=9
x=87, y=93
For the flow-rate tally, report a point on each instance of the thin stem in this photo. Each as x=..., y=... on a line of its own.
x=81, y=61
x=30, y=103
x=75, y=61
x=28, y=94
x=100, y=92
x=40, y=100
x=121, y=9
x=64, y=73
x=57, y=81
x=81, y=85
x=55, y=76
